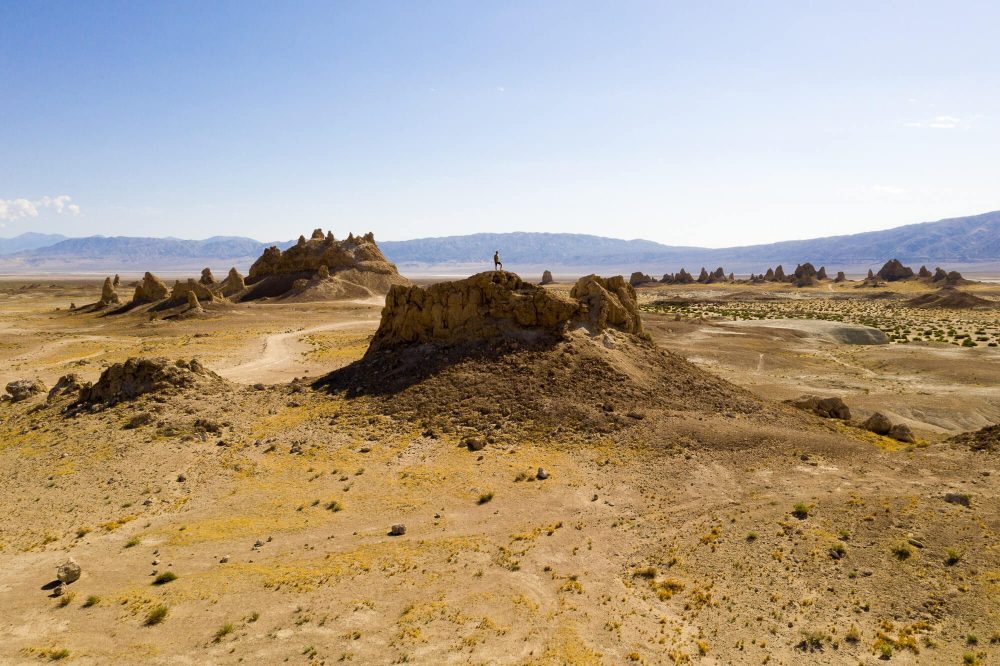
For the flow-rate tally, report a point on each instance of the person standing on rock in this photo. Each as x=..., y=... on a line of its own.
x=497, y=264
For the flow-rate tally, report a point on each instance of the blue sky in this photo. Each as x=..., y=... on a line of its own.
x=696, y=123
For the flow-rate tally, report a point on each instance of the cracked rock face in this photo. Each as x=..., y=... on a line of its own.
x=497, y=304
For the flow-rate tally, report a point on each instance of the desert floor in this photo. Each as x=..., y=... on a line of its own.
x=709, y=537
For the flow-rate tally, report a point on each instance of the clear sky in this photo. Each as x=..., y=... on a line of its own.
x=689, y=123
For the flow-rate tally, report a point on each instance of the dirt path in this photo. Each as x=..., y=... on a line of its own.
x=278, y=359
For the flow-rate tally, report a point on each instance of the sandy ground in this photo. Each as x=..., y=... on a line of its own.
x=714, y=538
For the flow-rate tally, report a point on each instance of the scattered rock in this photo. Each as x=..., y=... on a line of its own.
x=398, y=529
x=985, y=439
x=958, y=498
x=475, y=443
x=541, y=474
x=68, y=572
x=139, y=420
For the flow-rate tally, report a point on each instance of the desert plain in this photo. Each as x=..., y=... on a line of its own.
x=600, y=498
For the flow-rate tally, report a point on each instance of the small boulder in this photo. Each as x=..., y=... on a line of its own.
x=399, y=529
x=475, y=443
x=902, y=433
x=878, y=423
x=22, y=389
x=541, y=474
x=68, y=572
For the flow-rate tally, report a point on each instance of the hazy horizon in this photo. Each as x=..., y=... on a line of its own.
x=697, y=125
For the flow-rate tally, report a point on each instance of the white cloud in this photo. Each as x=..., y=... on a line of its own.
x=17, y=209
x=938, y=122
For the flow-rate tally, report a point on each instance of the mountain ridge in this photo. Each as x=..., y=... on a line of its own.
x=965, y=241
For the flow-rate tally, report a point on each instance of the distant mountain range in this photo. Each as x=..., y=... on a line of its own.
x=961, y=242
x=28, y=241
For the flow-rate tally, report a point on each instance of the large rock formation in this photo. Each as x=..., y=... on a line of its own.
x=150, y=289
x=547, y=278
x=499, y=304
x=207, y=278
x=355, y=261
x=894, y=270
x=805, y=275
x=137, y=376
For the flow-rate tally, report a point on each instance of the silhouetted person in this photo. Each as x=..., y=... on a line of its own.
x=497, y=264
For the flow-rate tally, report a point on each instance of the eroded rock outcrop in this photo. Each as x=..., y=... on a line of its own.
x=639, y=278
x=150, y=289
x=894, y=270
x=182, y=291
x=206, y=277
x=138, y=376
x=356, y=262
x=108, y=294
x=500, y=304
x=233, y=284
x=547, y=278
